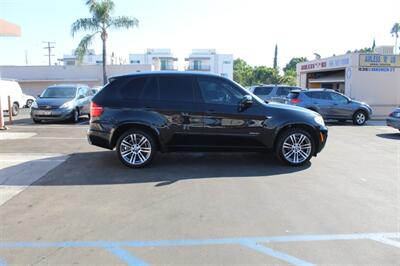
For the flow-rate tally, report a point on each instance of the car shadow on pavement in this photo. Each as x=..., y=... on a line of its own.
x=389, y=135
x=103, y=168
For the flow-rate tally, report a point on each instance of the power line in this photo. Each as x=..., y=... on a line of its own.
x=48, y=48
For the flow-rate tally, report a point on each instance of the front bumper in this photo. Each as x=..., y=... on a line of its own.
x=53, y=114
x=393, y=122
x=322, y=137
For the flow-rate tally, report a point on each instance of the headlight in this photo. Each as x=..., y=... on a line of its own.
x=67, y=105
x=34, y=105
x=319, y=120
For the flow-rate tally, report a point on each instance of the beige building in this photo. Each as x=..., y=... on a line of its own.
x=34, y=79
x=372, y=78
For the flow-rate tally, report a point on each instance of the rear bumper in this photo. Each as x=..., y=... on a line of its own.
x=100, y=135
x=393, y=122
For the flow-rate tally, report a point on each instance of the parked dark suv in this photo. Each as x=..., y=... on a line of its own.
x=140, y=114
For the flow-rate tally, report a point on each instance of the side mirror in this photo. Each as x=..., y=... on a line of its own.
x=38, y=95
x=246, y=102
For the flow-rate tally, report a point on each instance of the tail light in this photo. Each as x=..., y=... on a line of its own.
x=95, y=110
x=295, y=100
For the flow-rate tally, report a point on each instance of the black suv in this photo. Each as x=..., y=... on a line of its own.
x=142, y=113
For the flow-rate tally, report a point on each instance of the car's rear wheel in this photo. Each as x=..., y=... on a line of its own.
x=359, y=118
x=15, y=109
x=36, y=121
x=295, y=147
x=29, y=103
x=136, y=148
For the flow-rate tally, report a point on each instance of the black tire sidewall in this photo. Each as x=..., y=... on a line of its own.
x=141, y=132
x=75, y=114
x=15, y=109
x=29, y=103
x=281, y=140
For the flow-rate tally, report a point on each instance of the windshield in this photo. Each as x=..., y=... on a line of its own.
x=59, y=92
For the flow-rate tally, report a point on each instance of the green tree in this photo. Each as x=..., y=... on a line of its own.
x=291, y=66
x=276, y=57
x=395, y=32
x=242, y=72
x=100, y=23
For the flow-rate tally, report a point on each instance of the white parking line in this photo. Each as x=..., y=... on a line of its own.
x=58, y=138
x=18, y=171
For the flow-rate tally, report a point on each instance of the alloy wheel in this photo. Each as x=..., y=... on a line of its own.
x=135, y=149
x=360, y=118
x=297, y=148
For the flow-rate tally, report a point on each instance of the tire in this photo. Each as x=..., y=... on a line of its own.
x=29, y=103
x=133, y=154
x=37, y=121
x=359, y=118
x=75, y=116
x=15, y=109
x=295, y=147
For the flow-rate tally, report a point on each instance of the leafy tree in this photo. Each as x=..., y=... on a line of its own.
x=276, y=57
x=395, y=32
x=291, y=66
x=100, y=22
x=242, y=72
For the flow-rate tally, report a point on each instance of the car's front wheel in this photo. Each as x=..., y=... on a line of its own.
x=136, y=148
x=295, y=147
x=359, y=118
x=75, y=116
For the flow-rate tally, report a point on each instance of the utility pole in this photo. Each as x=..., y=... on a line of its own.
x=48, y=48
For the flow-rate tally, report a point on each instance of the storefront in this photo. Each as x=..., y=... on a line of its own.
x=372, y=78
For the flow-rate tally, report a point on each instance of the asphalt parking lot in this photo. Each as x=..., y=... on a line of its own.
x=63, y=201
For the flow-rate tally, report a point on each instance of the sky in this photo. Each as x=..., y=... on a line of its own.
x=247, y=29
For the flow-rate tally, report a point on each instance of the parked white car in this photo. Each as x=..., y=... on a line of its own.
x=28, y=100
x=11, y=88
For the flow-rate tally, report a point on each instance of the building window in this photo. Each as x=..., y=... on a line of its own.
x=196, y=65
x=135, y=61
x=227, y=62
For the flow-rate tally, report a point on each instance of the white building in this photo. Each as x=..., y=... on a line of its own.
x=91, y=58
x=34, y=79
x=207, y=60
x=160, y=59
x=373, y=78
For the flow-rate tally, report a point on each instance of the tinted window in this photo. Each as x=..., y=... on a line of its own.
x=150, y=92
x=262, y=90
x=174, y=88
x=283, y=91
x=217, y=91
x=133, y=88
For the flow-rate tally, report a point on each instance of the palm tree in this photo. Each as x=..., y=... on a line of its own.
x=100, y=22
x=395, y=32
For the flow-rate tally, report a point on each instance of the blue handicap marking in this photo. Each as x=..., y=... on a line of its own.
x=254, y=243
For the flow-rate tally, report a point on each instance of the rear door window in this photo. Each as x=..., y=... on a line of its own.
x=176, y=88
x=215, y=91
x=263, y=90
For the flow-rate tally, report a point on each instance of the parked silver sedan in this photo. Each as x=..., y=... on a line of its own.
x=394, y=119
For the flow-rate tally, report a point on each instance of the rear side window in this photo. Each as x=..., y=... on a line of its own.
x=293, y=95
x=176, y=89
x=262, y=90
x=318, y=95
x=133, y=88
x=283, y=91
